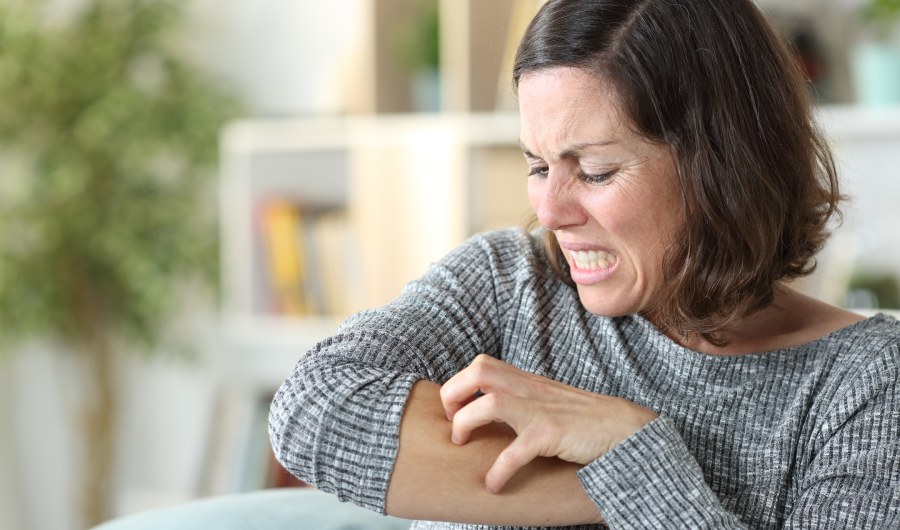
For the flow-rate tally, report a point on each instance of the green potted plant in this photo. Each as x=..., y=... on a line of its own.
x=418, y=49
x=876, y=56
x=107, y=142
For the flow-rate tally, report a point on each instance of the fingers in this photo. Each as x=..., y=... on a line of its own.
x=496, y=407
x=484, y=376
x=488, y=391
x=550, y=418
x=516, y=456
x=492, y=407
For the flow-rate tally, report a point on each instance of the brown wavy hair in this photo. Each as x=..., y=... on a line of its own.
x=713, y=81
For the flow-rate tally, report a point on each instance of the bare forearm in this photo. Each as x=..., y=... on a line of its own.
x=437, y=480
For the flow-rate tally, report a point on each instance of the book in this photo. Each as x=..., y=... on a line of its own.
x=338, y=262
x=310, y=260
x=285, y=259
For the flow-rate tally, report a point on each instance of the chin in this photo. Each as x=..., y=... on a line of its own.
x=598, y=303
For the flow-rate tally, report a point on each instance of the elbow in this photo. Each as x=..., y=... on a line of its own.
x=335, y=427
x=291, y=436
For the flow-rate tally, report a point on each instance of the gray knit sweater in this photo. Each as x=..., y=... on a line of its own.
x=806, y=437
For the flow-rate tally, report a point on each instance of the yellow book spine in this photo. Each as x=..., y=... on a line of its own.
x=280, y=227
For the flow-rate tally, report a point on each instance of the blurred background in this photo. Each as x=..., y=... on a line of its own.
x=193, y=192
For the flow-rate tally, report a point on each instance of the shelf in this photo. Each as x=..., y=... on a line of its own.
x=843, y=123
x=262, y=350
x=413, y=187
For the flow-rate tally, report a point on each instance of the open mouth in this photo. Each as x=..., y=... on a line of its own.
x=589, y=260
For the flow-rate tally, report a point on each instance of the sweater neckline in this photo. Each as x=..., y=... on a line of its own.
x=671, y=346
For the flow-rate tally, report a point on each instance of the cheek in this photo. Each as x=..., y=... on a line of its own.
x=656, y=210
x=537, y=189
x=622, y=215
x=670, y=218
x=642, y=227
x=663, y=227
x=533, y=194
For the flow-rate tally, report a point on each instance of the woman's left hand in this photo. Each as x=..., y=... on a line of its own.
x=550, y=418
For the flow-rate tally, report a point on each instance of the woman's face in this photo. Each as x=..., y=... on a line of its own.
x=611, y=197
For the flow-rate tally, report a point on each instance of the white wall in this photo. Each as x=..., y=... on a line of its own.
x=165, y=416
x=866, y=144
x=165, y=409
x=40, y=391
x=11, y=514
x=285, y=56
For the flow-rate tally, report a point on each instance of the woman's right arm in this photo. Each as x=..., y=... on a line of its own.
x=336, y=421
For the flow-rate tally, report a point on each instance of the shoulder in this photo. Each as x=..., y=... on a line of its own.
x=866, y=364
x=879, y=343
x=509, y=266
x=513, y=251
x=867, y=340
x=513, y=242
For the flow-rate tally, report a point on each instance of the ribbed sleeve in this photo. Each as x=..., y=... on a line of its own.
x=335, y=421
x=852, y=471
x=651, y=480
x=336, y=427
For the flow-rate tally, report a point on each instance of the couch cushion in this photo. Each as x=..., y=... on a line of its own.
x=287, y=508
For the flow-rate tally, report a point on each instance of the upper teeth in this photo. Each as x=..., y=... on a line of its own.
x=592, y=259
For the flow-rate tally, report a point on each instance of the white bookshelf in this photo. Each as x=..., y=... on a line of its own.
x=413, y=187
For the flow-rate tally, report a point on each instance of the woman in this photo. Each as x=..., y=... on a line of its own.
x=639, y=361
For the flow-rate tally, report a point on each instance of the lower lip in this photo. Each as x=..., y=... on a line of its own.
x=591, y=276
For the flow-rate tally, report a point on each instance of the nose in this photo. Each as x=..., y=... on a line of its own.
x=555, y=201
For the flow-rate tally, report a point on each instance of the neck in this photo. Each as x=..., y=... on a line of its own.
x=790, y=320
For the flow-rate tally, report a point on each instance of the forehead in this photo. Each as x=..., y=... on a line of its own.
x=567, y=105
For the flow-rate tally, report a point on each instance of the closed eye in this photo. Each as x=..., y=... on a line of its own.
x=596, y=178
x=540, y=171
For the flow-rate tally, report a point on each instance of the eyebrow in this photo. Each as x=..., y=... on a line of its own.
x=571, y=152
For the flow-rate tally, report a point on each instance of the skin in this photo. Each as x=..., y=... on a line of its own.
x=510, y=456
x=598, y=186
x=435, y=479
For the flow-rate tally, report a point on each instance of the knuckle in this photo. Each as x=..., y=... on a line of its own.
x=482, y=362
x=483, y=358
x=493, y=401
x=481, y=367
x=462, y=417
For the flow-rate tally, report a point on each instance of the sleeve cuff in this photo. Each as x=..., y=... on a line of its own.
x=651, y=480
x=364, y=450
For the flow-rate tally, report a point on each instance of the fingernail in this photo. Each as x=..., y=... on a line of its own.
x=454, y=438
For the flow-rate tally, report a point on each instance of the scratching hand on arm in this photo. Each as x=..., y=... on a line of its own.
x=550, y=419
x=437, y=480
